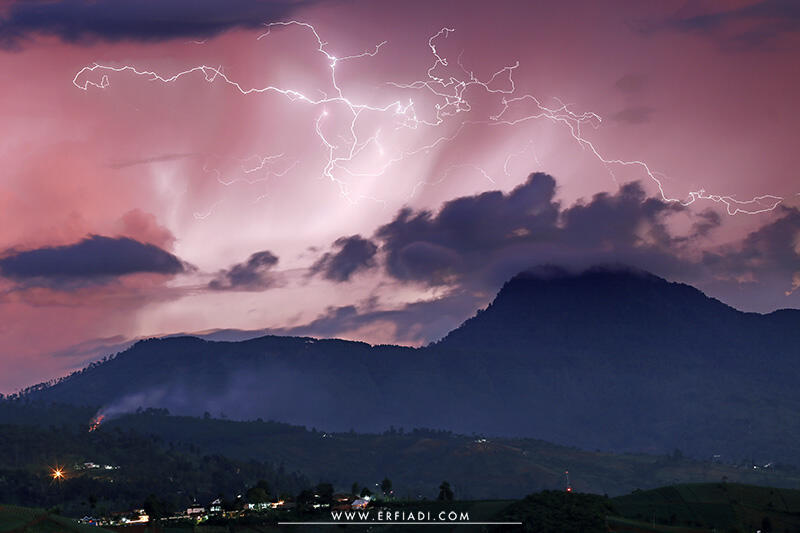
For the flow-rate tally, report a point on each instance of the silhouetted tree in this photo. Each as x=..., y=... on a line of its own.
x=263, y=485
x=386, y=486
x=256, y=495
x=155, y=508
x=325, y=492
x=305, y=498
x=445, y=492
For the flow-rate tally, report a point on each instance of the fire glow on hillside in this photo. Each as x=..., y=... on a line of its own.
x=95, y=422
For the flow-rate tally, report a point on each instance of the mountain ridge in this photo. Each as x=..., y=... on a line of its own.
x=576, y=359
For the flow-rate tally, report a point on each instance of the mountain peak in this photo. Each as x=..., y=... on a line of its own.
x=550, y=305
x=572, y=357
x=550, y=272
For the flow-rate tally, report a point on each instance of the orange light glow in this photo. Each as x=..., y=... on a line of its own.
x=95, y=423
x=57, y=474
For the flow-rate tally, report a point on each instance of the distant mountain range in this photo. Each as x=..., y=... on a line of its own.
x=611, y=358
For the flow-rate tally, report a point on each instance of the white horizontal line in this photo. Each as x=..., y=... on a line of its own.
x=373, y=522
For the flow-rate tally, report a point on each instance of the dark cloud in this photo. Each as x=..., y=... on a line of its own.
x=626, y=220
x=85, y=21
x=95, y=259
x=634, y=114
x=761, y=272
x=252, y=275
x=421, y=246
x=352, y=254
x=750, y=27
x=773, y=249
x=485, y=239
x=474, y=244
x=706, y=221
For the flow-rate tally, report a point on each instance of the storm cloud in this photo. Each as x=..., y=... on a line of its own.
x=252, y=275
x=771, y=249
x=352, y=254
x=95, y=259
x=765, y=262
x=754, y=26
x=83, y=21
x=487, y=238
x=473, y=244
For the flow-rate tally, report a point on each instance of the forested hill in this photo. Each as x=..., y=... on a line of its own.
x=614, y=359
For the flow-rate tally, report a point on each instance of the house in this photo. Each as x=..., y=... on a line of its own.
x=137, y=516
x=342, y=502
x=216, y=506
x=259, y=506
x=280, y=503
x=360, y=503
x=195, y=510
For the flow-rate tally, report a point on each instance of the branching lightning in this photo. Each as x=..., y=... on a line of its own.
x=447, y=86
x=255, y=169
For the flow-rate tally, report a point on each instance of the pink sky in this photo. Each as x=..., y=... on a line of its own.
x=704, y=93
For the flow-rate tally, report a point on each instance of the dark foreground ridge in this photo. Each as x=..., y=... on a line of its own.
x=692, y=508
x=180, y=460
x=614, y=359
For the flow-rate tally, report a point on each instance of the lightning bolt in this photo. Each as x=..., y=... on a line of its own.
x=520, y=153
x=447, y=85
